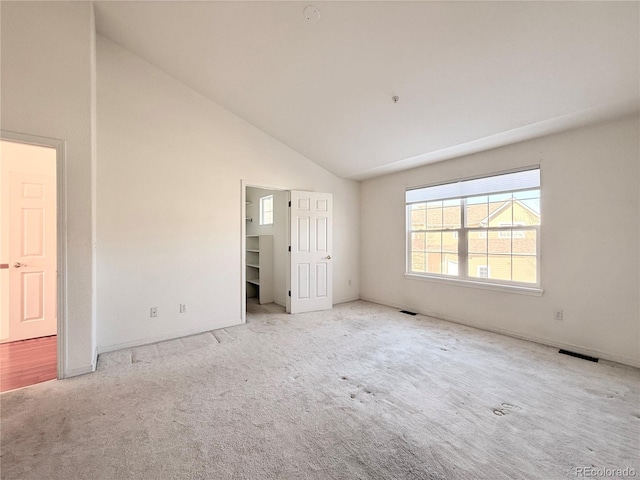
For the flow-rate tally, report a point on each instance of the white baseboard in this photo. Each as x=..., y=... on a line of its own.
x=347, y=300
x=94, y=361
x=612, y=357
x=166, y=336
x=74, y=372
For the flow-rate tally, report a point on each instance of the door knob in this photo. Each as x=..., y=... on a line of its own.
x=328, y=257
x=18, y=265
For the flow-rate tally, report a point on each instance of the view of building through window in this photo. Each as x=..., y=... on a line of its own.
x=489, y=237
x=266, y=210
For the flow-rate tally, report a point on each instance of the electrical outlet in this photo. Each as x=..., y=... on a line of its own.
x=557, y=315
x=183, y=308
x=154, y=312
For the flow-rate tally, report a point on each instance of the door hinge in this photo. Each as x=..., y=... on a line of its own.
x=289, y=202
x=289, y=247
x=289, y=292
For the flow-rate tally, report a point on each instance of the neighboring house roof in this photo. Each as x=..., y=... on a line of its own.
x=477, y=214
x=504, y=206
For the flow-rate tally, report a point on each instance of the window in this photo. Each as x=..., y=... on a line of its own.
x=483, y=271
x=507, y=233
x=480, y=230
x=266, y=210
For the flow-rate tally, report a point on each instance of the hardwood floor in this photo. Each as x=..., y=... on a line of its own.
x=27, y=362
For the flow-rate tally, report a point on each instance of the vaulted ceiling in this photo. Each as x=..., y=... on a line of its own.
x=469, y=75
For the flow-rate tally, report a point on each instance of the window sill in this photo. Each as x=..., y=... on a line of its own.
x=517, y=289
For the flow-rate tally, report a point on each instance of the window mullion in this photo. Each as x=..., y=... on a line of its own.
x=462, y=242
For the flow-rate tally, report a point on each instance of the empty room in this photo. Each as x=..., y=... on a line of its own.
x=319, y=240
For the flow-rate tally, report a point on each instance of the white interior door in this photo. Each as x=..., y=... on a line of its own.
x=32, y=254
x=311, y=273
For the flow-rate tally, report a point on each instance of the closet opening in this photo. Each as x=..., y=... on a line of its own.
x=265, y=248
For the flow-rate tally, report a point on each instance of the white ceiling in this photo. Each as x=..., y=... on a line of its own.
x=470, y=75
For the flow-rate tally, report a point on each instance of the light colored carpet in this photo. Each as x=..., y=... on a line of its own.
x=360, y=392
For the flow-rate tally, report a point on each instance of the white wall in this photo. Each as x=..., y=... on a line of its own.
x=589, y=240
x=47, y=80
x=170, y=165
x=279, y=231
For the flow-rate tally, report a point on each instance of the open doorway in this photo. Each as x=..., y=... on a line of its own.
x=287, y=244
x=265, y=248
x=29, y=264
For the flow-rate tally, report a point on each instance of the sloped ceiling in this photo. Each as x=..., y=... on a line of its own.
x=469, y=75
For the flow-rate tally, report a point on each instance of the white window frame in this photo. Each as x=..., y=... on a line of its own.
x=463, y=279
x=508, y=231
x=263, y=211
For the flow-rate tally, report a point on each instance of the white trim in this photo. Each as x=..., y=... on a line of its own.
x=167, y=336
x=611, y=357
x=61, y=231
x=350, y=299
x=74, y=372
x=531, y=291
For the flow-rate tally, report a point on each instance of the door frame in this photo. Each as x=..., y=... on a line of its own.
x=61, y=233
x=243, y=237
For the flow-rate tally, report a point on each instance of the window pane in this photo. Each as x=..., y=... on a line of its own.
x=451, y=216
x=474, y=264
x=418, y=217
x=500, y=213
x=266, y=210
x=524, y=269
x=434, y=215
x=527, y=195
x=499, y=267
x=450, y=264
x=434, y=241
x=524, y=241
x=450, y=242
x=477, y=241
x=527, y=208
x=418, y=242
x=499, y=241
x=434, y=261
x=500, y=197
x=454, y=202
x=477, y=211
x=524, y=215
x=417, y=262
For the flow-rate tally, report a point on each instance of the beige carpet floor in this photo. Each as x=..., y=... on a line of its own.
x=360, y=392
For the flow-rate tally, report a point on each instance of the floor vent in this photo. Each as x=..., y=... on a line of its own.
x=579, y=355
x=408, y=312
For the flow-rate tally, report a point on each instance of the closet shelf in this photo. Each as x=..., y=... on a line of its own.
x=259, y=262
